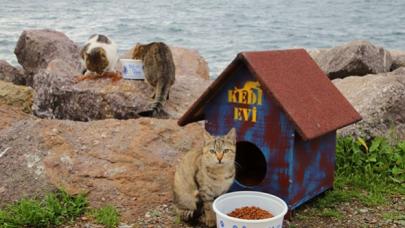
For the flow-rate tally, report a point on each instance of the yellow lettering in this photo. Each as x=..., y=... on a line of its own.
x=246, y=113
x=252, y=98
x=244, y=99
x=254, y=113
x=250, y=94
x=237, y=114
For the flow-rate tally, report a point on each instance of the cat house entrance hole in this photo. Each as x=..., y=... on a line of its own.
x=250, y=164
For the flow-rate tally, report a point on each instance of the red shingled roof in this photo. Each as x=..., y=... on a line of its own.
x=296, y=83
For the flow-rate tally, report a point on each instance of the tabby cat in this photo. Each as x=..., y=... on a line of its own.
x=159, y=71
x=203, y=175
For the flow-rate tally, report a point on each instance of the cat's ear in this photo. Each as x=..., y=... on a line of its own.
x=83, y=51
x=231, y=136
x=92, y=36
x=207, y=136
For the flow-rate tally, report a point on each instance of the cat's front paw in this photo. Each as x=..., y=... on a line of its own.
x=209, y=219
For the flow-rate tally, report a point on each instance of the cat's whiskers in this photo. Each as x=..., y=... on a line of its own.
x=237, y=165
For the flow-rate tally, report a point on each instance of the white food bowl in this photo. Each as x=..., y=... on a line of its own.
x=132, y=69
x=228, y=202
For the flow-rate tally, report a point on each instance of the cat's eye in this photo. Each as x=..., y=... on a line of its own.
x=227, y=150
x=212, y=151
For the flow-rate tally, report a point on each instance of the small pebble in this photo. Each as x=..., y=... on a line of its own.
x=363, y=210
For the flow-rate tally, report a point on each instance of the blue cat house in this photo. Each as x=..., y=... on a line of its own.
x=286, y=112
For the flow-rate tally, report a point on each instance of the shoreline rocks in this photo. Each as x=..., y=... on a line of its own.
x=380, y=99
x=12, y=74
x=36, y=48
x=51, y=62
x=17, y=96
x=190, y=62
x=58, y=96
x=354, y=58
x=127, y=163
x=398, y=59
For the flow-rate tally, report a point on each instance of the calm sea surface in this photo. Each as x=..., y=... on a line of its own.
x=219, y=29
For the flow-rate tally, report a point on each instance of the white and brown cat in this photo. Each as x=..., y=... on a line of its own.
x=99, y=57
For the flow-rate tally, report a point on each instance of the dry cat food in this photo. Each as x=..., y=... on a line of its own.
x=252, y=213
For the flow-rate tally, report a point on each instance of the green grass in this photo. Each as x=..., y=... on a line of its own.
x=331, y=213
x=55, y=209
x=394, y=216
x=107, y=216
x=369, y=172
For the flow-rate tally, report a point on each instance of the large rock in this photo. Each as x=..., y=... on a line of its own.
x=127, y=163
x=398, y=59
x=21, y=154
x=11, y=74
x=58, y=96
x=36, y=48
x=380, y=100
x=9, y=115
x=15, y=95
x=190, y=62
x=355, y=58
x=317, y=53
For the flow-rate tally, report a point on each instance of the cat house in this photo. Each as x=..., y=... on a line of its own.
x=286, y=112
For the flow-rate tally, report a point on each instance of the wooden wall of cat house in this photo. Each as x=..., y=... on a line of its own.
x=286, y=112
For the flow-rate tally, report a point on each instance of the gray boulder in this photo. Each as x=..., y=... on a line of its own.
x=11, y=74
x=316, y=53
x=59, y=96
x=398, y=59
x=355, y=58
x=36, y=48
x=380, y=100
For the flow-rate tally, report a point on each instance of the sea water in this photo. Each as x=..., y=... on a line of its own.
x=218, y=29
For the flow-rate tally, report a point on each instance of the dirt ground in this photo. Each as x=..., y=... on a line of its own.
x=353, y=214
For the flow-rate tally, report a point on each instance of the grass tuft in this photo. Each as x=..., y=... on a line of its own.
x=331, y=213
x=107, y=216
x=55, y=209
